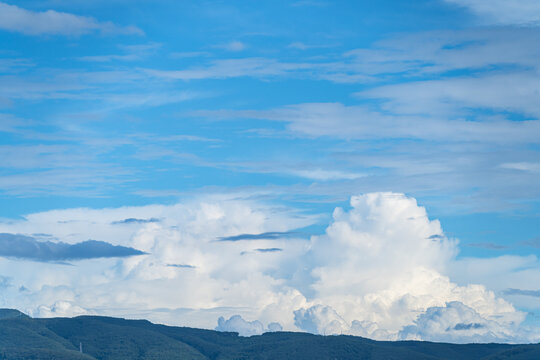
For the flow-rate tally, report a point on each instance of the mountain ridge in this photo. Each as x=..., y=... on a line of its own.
x=110, y=338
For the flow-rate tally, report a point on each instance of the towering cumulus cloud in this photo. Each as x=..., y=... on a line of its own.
x=381, y=270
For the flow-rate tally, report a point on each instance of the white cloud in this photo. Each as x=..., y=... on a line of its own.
x=504, y=12
x=380, y=270
x=383, y=263
x=500, y=274
x=50, y=22
x=237, y=324
x=407, y=57
x=245, y=328
x=320, y=319
x=457, y=323
x=59, y=309
x=439, y=52
x=274, y=327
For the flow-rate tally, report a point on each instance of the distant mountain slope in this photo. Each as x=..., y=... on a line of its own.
x=105, y=338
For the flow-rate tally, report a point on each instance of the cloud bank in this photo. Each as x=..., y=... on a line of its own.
x=382, y=269
x=50, y=22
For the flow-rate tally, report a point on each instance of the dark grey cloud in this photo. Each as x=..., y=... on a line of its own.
x=181, y=266
x=263, y=250
x=532, y=242
x=273, y=235
x=269, y=250
x=26, y=247
x=135, y=221
x=535, y=293
x=463, y=326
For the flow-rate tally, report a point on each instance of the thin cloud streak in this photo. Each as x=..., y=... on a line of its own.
x=50, y=22
x=361, y=122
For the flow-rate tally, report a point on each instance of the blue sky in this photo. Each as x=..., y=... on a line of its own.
x=281, y=111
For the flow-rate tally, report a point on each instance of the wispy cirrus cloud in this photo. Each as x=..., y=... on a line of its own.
x=420, y=153
x=231, y=68
x=50, y=22
x=234, y=45
x=365, y=122
x=480, y=51
x=504, y=12
x=115, y=89
x=462, y=96
x=29, y=170
x=523, y=166
x=131, y=53
x=534, y=293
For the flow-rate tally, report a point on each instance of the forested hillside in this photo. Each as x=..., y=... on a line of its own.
x=22, y=337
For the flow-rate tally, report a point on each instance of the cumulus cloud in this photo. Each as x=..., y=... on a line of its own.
x=499, y=274
x=274, y=327
x=455, y=322
x=245, y=328
x=381, y=264
x=26, y=247
x=59, y=309
x=382, y=269
x=237, y=324
x=320, y=319
x=50, y=22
